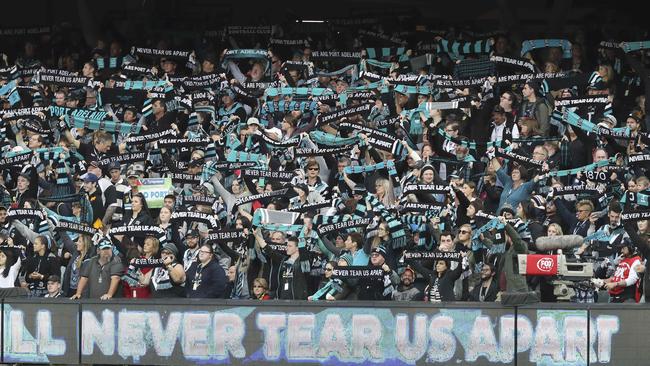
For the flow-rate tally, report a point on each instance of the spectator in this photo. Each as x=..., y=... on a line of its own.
x=100, y=275
x=205, y=278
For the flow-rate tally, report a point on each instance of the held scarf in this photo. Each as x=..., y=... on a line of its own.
x=111, y=62
x=25, y=213
x=270, y=174
x=294, y=141
x=137, y=70
x=518, y=62
x=187, y=216
x=533, y=44
x=329, y=228
x=124, y=158
x=301, y=152
x=30, y=112
x=580, y=101
x=336, y=55
x=580, y=189
x=632, y=216
x=15, y=160
x=426, y=188
x=635, y=46
x=106, y=125
x=209, y=81
x=226, y=236
x=10, y=73
x=343, y=98
x=326, y=118
x=61, y=78
x=587, y=168
x=247, y=29
x=147, y=262
x=130, y=230
x=285, y=91
x=121, y=96
x=636, y=198
x=381, y=36
x=524, y=160
x=75, y=227
x=285, y=107
x=420, y=207
x=11, y=91
x=312, y=206
x=574, y=120
x=160, y=86
x=457, y=50
x=152, y=137
x=157, y=53
x=246, y=199
x=324, y=138
x=639, y=159
x=184, y=178
x=358, y=272
x=171, y=143
x=194, y=200
x=435, y=255
x=57, y=111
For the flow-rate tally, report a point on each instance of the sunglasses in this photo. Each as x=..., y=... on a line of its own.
x=329, y=269
x=313, y=168
x=464, y=232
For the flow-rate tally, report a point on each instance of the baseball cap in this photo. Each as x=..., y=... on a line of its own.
x=89, y=177
x=192, y=232
x=54, y=278
x=105, y=243
x=114, y=165
x=380, y=250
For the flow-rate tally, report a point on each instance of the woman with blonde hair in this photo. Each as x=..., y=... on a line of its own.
x=83, y=249
x=261, y=289
x=384, y=192
x=554, y=229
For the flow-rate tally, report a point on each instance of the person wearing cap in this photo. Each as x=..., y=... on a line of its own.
x=100, y=275
x=191, y=248
x=535, y=106
x=300, y=200
x=230, y=110
x=95, y=197
x=169, y=280
x=407, y=290
x=53, y=287
x=378, y=288
x=623, y=285
x=168, y=66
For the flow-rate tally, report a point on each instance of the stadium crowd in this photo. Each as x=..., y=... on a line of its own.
x=379, y=166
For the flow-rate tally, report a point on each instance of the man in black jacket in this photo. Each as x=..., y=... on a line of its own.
x=205, y=278
x=487, y=289
x=293, y=270
x=378, y=288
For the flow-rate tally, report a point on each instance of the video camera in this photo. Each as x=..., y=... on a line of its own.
x=568, y=275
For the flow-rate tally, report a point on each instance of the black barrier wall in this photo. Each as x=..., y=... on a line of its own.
x=341, y=333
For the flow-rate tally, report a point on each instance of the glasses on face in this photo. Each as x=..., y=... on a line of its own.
x=312, y=168
x=465, y=232
x=329, y=269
